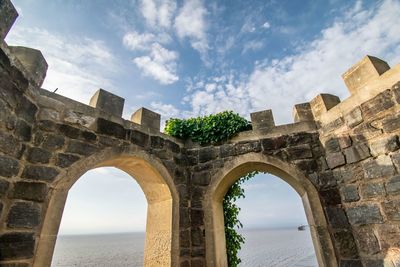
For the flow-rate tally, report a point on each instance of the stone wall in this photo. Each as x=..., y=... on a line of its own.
x=342, y=158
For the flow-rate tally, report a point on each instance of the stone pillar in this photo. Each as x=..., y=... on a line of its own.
x=33, y=62
x=147, y=118
x=368, y=69
x=8, y=15
x=262, y=120
x=107, y=102
x=322, y=103
x=302, y=112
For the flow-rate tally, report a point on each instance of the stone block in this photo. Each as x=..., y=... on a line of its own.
x=107, y=102
x=392, y=209
x=147, y=118
x=23, y=130
x=371, y=190
x=201, y=178
x=33, y=61
x=262, y=119
x=207, y=154
x=335, y=160
x=377, y=104
x=330, y=196
x=65, y=160
x=367, y=240
x=365, y=71
x=81, y=148
x=354, y=117
x=391, y=123
x=396, y=92
x=24, y=215
x=345, y=243
x=322, y=103
x=8, y=15
x=350, y=193
x=4, y=185
x=53, y=142
x=356, y=153
x=38, y=155
x=9, y=144
x=110, y=128
x=393, y=185
x=384, y=145
x=377, y=168
x=344, y=141
x=336, y=217
x=30, y=191
x=302, y=112
x=269, y=144
x=8, y=166
x=69, y=131
x=364, y=214
x=196, y=217
x=39, y=173
x=15, y=246
x=299, y=152
x=139, y=138
x=332, y=145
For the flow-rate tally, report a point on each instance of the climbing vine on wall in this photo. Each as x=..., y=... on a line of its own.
x=209, y=130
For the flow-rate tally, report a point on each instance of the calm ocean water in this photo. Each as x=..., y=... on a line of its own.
x=264, y=248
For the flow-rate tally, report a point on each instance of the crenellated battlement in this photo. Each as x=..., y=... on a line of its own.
x=341, y=157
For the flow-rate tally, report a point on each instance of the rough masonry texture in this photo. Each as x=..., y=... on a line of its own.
x=342, y=158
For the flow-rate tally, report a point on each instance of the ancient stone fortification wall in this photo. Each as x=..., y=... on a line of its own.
x=342, y=158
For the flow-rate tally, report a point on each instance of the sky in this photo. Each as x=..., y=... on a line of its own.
x=196, y=57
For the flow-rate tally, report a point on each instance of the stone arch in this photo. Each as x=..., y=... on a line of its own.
x=243, y=164
x=162, y=226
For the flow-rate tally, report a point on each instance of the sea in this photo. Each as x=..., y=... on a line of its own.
x=263, y=248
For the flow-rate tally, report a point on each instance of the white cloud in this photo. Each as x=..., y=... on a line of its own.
x=266, y=25
x=252, y=45
x=316, y=67
x=77, y=66
x=160, y=64
x=190, y=23
x=158, y=12
x=137, y=41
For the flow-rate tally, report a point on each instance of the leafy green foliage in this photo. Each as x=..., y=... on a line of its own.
x=234, y=240
x=208, y=129
x=213, y=129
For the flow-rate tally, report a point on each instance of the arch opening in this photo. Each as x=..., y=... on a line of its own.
x=161, y=240
x=215, y=232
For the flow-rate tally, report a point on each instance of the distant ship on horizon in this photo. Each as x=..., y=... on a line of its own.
x=302, y=227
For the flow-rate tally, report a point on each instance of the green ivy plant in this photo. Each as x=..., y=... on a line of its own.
x=210, y=130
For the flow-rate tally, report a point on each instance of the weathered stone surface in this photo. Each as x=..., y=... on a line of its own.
x=65, y=160
x=40, y=173
x=299, y=152
x=262, y=119
x=196, y=217
x=147, y=118
x=69, y=131
x=393, y=185
x=379, y=263
x=367, y=240
x=371, y=190
x=392, y=209
x=356, y=153
x=201, y=178
x=332, y=145
x=197, y=237
x=207, y=154
x=38, y=155
x=107, y=102
x=9, y=14
x=23, y=131
x=9, y=144
x=14, y=246
x=330, y=196
x=4, y=185
x=322, y=103
x=269, y=144
x=354, y=117
x=345, y=242
x=377, y=168
x=336, y=217
x=335, y=159
x=110, y=128
x=384, y=145
x=326, y=180
x=81, y=148
x=364, y=214
x=391, y=123
x=139, y=138
x=302, y=112
x=53, y=142
x=8, y=166
x=344, y=141
x=30, y=191
x=379, y=103
x=24, y=215
x=350, y=193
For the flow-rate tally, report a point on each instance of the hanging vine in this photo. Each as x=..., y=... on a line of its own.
x=210, y=130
